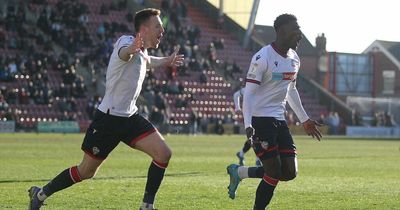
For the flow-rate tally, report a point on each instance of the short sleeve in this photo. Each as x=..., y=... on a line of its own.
x=123, y=41
x=258, y=67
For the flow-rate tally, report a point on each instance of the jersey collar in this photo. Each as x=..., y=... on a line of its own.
x=278, y=51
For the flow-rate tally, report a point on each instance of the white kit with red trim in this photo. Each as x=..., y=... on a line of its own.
x=271, y=77
x=124, y=80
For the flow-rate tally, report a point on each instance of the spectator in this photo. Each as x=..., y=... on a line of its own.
x=203, y=78
x=219, y=128
x=181, y=88
x=2, y=37
x=180, y=102
x=322, y=120
x=12, y=66
x=212, y=54
x=12, y=96
x=3, y=103
x=23, y=96
x=63, y=91
x=159, y=101
x=173, y=87
x=218, y=43
x=129, y=17
x=63, y=105
x=103, y=9
x=220, y=22
x=355, y=118
x=156, y=117
x=83, y=19
x=335, y=123
x=236, y=68
x=388, y=118
x=194, y=65
x=149, y=96
x=203, y=123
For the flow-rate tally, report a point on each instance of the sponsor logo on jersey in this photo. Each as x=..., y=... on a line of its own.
x=277, y=76
x=258, y=57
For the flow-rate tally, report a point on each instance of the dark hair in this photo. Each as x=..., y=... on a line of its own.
x=144, y=15
x=283, y=19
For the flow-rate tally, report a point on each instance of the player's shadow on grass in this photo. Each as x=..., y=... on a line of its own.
x=104, y=178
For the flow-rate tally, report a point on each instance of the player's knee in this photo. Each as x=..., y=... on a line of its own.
x=163, y=155
x=166, y=155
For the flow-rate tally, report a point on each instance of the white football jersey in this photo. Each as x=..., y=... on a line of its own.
x=123, y=80
x=275, y=72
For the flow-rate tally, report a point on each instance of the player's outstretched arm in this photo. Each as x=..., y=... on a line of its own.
x=173, y=60
x=126, y=52
x=295, y=103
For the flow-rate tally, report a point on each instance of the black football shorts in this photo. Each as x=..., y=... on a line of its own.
x=106, y=131
x=272, y=138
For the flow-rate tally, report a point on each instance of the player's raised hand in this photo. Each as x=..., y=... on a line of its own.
x=176, y=59
x=136, y=45
x=311, y=128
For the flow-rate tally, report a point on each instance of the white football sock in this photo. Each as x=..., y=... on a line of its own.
x=147, y=206
x=243, y=172
x=241, y=153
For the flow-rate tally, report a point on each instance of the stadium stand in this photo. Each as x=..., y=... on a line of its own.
x=55, y=54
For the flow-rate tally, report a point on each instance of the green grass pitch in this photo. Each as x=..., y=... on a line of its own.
x=336, y=173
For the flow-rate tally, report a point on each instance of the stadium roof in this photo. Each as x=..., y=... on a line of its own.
x=389, y=48
x=266, y=35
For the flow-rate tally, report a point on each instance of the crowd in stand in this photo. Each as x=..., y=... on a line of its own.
x=66, y=24
x=179, y=32
x=29, y=59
